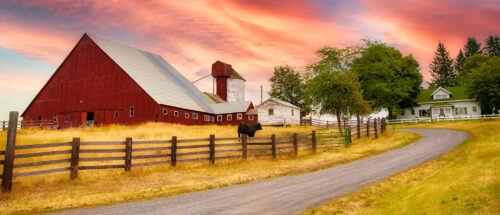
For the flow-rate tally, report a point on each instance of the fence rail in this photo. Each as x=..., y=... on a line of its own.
x=438, y=119
x=76, y=155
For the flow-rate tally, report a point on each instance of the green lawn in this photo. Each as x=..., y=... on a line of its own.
x=464, y=181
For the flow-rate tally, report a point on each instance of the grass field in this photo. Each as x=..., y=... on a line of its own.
x=464, y=181
x=51, y=192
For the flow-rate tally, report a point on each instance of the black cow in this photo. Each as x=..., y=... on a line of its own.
x=248, y=129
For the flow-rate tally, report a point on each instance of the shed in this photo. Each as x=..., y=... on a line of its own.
x=277, y=112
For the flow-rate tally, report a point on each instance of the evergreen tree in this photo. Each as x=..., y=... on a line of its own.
x=442, y=68
x=493, y=45
x=459, y=64
x=472, y=47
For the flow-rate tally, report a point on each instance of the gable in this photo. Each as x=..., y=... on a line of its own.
x=457, y=93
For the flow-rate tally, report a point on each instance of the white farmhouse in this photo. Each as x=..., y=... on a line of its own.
x=276, y=112
x=449, y=102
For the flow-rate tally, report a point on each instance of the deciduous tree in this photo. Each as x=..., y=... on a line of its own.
x=288, y=85
x=483, y=84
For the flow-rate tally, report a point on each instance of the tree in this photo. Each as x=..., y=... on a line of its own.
x=333, y=87
x=483, y=84
x=493, y=45
x=471, y=63
x=288, y=85
x=388, y=80
x=472, y=47
x=459, y=63
x=442, y=70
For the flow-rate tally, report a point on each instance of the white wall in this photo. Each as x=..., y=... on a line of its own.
x=435, y=111
x=235, y=90
x=282, y=114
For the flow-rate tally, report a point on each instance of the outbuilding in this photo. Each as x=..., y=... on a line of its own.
x=102, y=82
x=277, y=112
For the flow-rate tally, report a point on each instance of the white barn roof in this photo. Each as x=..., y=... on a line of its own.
x=162, y=81
x=280, y=102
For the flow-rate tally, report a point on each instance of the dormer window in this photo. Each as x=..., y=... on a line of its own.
x=441, y=93
x=441, y=96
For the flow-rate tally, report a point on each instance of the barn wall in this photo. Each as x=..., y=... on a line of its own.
x=89, y=81
x=282, y=114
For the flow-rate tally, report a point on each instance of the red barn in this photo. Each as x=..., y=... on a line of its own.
x=102, y=82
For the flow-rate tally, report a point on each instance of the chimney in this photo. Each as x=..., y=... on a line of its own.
x=221, y=72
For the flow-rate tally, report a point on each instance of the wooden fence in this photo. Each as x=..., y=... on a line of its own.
x=76, y=155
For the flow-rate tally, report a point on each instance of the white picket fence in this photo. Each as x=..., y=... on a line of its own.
x=438, y=119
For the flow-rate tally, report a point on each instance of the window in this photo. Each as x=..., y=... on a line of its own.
x=270, y=111
x=55, y=117
x=219, y=118
x=195, y=115
x=165, y=111
x=412, y=111
x=39, y=118
x=239, y=116
x=131, y=111
x=292, y=112
x=402, y=113
x=206, y=117
x=461, y=111
x=186, y=115
x=212, y=118
x=250, y=117
x=474, y=109
x=229, y=117
x=67, y=119
x=116, y=114
x=441, y=96
x=422, y=113
x=176, y=113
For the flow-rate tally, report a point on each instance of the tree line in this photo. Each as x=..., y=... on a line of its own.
x=352, y=81
x=475, y=67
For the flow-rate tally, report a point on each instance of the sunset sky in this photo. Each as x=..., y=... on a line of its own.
x=253, y=36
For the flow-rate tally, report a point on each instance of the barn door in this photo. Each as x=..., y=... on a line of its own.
x=83, y=118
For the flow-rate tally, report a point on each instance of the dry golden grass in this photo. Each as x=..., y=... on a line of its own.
x=50, y=192
x=464, y=181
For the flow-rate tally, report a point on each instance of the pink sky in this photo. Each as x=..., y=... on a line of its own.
x=253, y=36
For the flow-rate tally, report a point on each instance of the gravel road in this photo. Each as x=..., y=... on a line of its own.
x=293, y=194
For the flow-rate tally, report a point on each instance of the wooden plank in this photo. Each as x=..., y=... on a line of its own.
x=227, y=144
x=259, y=144
x=39, y=172
x=103, y=159
x=45, y=145
x=101, y=150
x=150, y=149
x=284, y=138
x=41, y=163
x=150, y=163
x=261, y=138
x=303, y=135
x=260, y=155
x=151, y=156
x=75, y=158
x=212, y=149
x=173, y=151
x=193, y=159
x=244, y=148
x=258, y=149
x=148, y=142
x=226, y=139
x=101, y=167
x=104, y=143
x=2, y=152
x=193, y=140
x=193, y=153
x=282, y=143
x=228, y=150
x=193, y=146
x=8, y=166
x=128, y=154
x=284, y=147
x=228, y=157
x=39, y=154
x=273, y=145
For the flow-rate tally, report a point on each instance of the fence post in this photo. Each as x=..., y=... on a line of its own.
x=128, y=154
x=173, y=151
x=314, y=146
x=244, y=146
x=346, y=137
x=382, y=126
x=349, y=132
x=75, y=158
x=273, y=145
x=295, y=145
x=368, y=127
x=212, y=149
x=359, y=127
x=3, y=126
x=375, y=127
x=8, y=165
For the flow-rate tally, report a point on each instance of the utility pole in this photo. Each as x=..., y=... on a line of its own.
x=261, y=94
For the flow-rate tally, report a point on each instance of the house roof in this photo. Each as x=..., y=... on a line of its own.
x=280, y=102
x=161, y=80
x=457, y=93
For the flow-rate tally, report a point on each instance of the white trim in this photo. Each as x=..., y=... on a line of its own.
x=440, y=88
x=447, y=101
